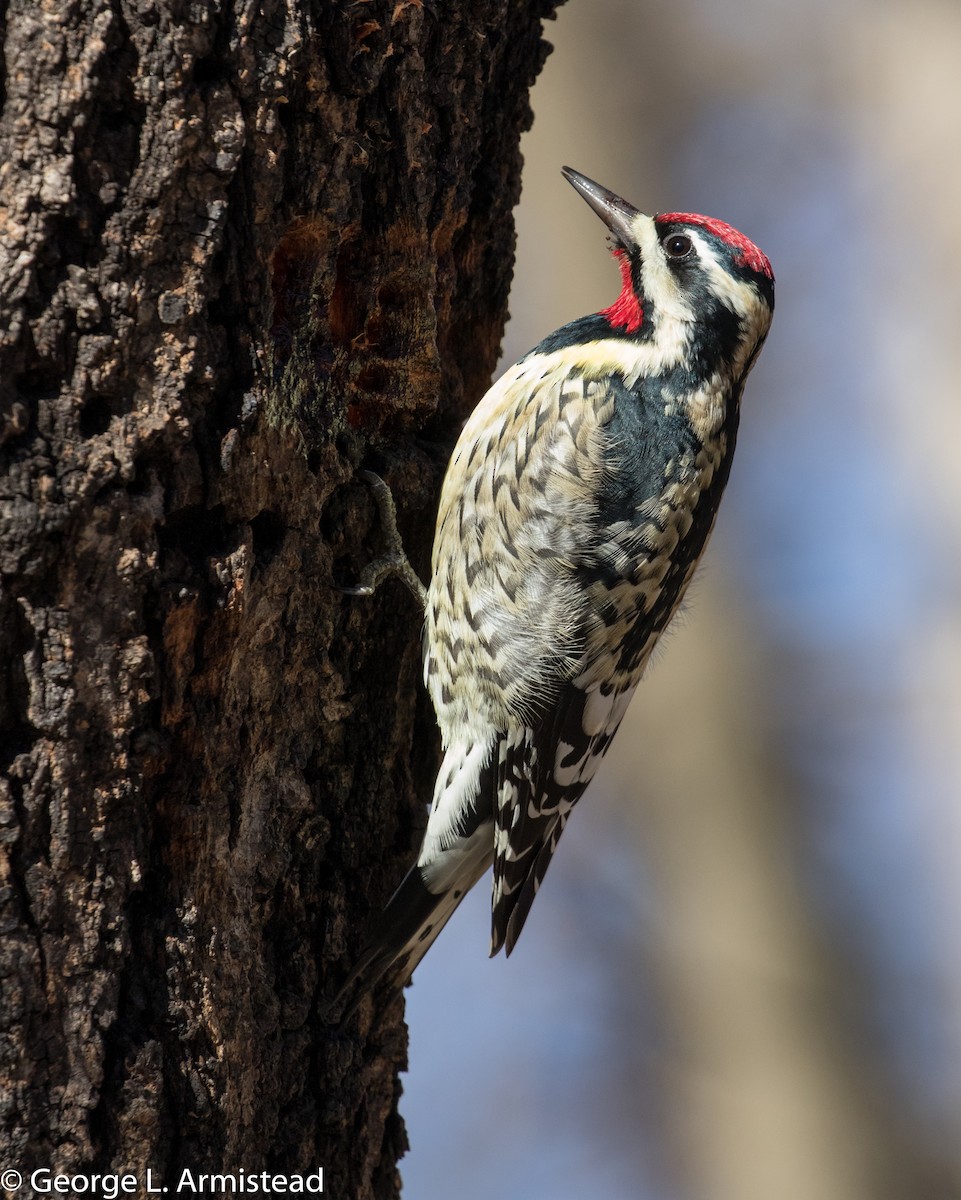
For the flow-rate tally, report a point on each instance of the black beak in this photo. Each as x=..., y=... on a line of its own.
x=616, y=213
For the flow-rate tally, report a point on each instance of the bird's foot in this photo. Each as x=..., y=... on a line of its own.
x=395, y=561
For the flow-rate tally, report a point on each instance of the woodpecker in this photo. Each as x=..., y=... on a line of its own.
x=576, y=506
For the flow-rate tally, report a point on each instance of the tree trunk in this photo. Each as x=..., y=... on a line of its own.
x=248, y=248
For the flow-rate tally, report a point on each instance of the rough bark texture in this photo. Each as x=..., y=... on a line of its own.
x=247, y=247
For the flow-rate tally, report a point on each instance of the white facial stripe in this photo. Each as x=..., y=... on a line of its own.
x=739, y=295
x=670, y=308
x=658, y=283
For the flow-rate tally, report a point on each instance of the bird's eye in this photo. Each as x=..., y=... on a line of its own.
x=677, y=245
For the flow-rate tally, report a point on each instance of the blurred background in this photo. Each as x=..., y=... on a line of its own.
x=742, y=979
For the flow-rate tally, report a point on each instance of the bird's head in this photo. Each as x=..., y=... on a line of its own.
x=684, y=276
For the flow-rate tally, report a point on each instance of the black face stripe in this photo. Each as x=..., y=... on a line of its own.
x=686, y=269
x=716, y=335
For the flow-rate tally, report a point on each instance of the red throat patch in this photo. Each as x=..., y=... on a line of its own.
x=626, y=312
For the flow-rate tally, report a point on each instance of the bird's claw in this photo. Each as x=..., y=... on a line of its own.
x=395, y=561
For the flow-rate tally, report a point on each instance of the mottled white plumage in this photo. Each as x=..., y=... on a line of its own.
x=578, y=500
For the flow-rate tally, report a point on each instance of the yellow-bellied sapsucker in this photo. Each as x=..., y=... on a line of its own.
x=576, y=506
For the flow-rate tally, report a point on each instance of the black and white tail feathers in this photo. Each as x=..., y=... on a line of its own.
x=406, y=930
x=460, y=845
x=414, y=917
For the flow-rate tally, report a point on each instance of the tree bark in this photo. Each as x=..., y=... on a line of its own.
x=247, y=249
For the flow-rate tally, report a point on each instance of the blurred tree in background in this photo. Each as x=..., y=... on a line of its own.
x=745, y=979
x=246, y=248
